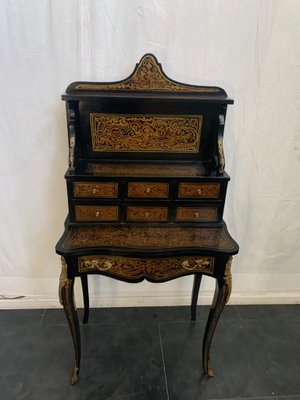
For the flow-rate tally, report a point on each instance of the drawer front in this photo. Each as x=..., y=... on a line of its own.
x=97, y=213
x=197, y=214
x=157, y=269
x=148, y=189
x=96, y=189
x=199, y=190
x=149, y=214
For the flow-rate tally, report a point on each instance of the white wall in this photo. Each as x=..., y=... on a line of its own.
x=251, y=48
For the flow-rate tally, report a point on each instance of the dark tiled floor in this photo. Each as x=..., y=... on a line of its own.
x=152, y=354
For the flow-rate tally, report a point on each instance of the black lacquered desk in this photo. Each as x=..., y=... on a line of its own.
x=146, y=188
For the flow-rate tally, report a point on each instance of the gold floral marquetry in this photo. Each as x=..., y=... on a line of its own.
x=96, y=189
x=197, y=214
x=97, y=213
x=198, y=190
x=145, y=133
x=145, y=213
x=148, y=189
x=158, y=269
x=149, y=237
x=148, y=75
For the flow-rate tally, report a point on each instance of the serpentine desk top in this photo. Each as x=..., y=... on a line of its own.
x=147, y=239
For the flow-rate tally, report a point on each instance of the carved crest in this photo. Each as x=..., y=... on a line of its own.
x=147, y=75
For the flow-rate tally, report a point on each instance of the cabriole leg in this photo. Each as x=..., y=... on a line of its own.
x=66, y=296
x=195, y=293
x=85, y=291
x=221, y=297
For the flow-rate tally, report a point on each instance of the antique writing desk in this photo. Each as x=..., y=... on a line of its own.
x=146, y=189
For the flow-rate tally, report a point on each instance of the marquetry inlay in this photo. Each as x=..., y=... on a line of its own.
x=148, y=237
x=148, y=189
x=148, y=75
x=196, y=214
x=97, y=213
x=96, y=189
x=198, y=190
x=145, y=133
x=158, y=269
x=144, y=213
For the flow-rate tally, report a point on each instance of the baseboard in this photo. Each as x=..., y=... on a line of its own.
x=38, y=302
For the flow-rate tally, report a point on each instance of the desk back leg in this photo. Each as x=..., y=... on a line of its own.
x=66, y=296
x=195, y=294
x=85, y=292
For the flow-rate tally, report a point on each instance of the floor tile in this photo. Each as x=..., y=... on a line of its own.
x=29, y=387
x=137, y=315
x=254, y=354
x=122, y=360
x=35, y=363
x=273, y=311
x=58, y=317
x=21, y=317
x=250, y=359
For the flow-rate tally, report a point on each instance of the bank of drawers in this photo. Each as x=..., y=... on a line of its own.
x=146, y=201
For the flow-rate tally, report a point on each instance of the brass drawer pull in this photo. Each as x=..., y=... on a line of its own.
x=199, y=191
x=147, y=214
x=94, y=190
x=196, y=214
x=148, y=190
x=97, y=213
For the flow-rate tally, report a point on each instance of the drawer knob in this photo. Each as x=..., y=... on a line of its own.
x=199, y=191
x=148, y=190
x=196, y=214
x=97, y=213
x=94, y=190
x=147, y=214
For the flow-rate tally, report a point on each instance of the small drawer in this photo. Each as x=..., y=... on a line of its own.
x=96, y=189
x=97, y=213
x=199, y=190
x=197, y=214
x=149, y=214
x=148, y=189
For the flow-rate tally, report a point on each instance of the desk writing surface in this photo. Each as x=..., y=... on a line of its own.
x=148, y=238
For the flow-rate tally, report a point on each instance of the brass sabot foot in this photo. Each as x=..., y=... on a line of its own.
x=74, y=375
x=209, y=373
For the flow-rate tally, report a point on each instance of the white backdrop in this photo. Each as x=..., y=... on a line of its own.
x=251, y=48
